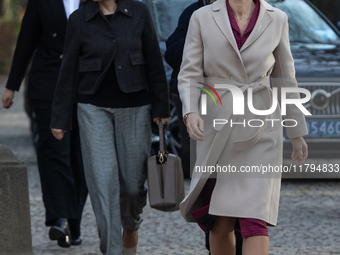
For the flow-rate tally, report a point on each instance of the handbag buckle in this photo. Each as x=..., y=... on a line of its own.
x=162, y=156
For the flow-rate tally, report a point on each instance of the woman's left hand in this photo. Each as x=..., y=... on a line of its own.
x=300, y=150
x=164, y=120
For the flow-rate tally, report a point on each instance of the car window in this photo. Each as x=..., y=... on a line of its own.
x=305, y=24
x=165, y=15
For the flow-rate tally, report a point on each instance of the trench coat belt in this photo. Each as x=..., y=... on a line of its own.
x=226, y=112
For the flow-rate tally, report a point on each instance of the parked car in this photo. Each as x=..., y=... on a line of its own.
x=315, y=45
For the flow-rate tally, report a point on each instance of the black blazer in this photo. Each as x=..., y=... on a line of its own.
x=92, y=42
x=42, y=31
x=175, y=43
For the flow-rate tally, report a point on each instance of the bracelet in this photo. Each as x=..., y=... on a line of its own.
x=185, y=118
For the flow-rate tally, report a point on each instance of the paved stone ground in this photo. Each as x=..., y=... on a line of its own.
x=309, y=216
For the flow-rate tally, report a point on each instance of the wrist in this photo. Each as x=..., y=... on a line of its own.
x=295, y=138
x=185, y=117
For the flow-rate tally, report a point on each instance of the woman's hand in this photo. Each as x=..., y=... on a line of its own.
x=164, y=120
x=7, y=99
x=195, y=126
x=300, y=150
x=58, y=133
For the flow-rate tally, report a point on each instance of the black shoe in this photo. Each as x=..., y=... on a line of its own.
x=61, y=232
x=76, y=240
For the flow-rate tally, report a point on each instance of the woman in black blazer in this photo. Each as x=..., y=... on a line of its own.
x=113, y=65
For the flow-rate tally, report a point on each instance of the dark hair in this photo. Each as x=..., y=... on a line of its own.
x=87, y=1
x=205, y=2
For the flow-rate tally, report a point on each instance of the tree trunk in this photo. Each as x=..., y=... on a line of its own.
x=1, y=8
x=6, y=8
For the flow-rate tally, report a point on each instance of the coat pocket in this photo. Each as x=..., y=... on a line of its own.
x=137, y=58
x=90, y=65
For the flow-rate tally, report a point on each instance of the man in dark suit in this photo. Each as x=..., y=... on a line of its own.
x=61, y=171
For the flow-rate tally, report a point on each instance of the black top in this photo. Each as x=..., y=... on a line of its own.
x=175, y=43
x=110, y=95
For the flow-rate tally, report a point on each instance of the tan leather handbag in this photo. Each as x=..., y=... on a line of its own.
x=165, y=178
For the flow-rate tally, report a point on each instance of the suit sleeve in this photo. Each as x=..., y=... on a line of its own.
x=29, y=37
x=62, y=107
x=158, y=88
x=283, y=75
x=192, y=67
x=175, y=42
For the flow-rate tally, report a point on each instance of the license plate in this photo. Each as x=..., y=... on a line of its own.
x=323, y=128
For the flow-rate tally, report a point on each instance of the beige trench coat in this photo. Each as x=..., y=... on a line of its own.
x=211, y=52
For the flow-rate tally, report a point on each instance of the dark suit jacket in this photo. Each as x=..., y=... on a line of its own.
x=175, y=43
x=42, y=31
x=92, y=43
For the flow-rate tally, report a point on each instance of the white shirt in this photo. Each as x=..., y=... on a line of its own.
x=70, y=6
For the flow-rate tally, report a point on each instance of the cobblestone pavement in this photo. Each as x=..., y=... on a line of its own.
x=309, y=216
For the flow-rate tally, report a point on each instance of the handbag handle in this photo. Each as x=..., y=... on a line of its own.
x=163, y=152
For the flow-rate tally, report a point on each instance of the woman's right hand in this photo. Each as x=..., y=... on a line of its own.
x=195, y=126
x=58, y=133
x=300, y=150
x=7, y=98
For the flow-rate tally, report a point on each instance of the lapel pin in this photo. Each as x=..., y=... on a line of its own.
x=125, y=10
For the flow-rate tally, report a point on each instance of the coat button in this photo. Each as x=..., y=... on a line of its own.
x=114, y=40
x=61, y=56
x=54, y=35
x=119, y=67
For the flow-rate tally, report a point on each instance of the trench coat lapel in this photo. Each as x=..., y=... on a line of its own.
x=59, y=14
x=262, y=23
x=221, y=17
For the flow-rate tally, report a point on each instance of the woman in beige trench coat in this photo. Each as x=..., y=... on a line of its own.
x=211, y=56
